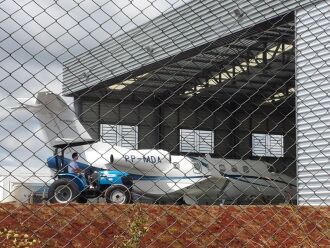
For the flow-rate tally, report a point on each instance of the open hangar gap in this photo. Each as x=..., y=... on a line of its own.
x=235, y=86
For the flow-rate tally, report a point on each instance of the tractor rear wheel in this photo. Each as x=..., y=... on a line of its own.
x=63, y=191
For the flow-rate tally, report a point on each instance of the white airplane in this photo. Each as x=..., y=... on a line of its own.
x=158, y=175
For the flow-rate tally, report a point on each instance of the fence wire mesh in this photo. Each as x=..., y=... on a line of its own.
x=164, y=123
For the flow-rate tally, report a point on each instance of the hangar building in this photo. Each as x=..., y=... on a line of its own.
x=236, y=79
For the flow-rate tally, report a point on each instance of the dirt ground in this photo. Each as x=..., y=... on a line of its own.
x=141, y=225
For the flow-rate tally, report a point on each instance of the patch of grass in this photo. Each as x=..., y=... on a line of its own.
x=18, y=239
x=136, y=230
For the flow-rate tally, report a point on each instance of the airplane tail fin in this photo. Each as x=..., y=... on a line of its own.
x=58, y=121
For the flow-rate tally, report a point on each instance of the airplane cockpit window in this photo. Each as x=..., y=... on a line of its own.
x=197, y=166
x=204, y=164
x=246, y=169
x=271, y=169
x=234, y=168
x=222, y=168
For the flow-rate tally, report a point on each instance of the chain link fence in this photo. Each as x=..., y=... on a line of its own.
x=164, y=123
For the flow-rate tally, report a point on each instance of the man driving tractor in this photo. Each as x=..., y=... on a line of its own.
x=73, y=166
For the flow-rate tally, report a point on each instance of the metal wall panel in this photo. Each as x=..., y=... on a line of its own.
x=93, y=128
x=109, y=112
x=170, y=139
x=205, y=119
x=191, y=25
x=188, y=118
x=313, y=103
x=144, y=116
x=243, y=144
x=120, y=135
x=148, y=137
x=268, y=145
x=89, y=111
x=259, y=122
x=196, y=141
x=129, y=114
x=170, y=116
x=148, y=115
x=232, y=133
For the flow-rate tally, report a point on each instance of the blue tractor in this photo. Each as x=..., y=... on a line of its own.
x=114, y=186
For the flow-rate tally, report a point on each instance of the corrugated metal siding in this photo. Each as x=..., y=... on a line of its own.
x=313, y=103
x=201, y=141
x=120, y=135
x=192, y=25
x=268, y=145
x=143, y=116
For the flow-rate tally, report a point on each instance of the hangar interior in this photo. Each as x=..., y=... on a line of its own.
x=236, y=86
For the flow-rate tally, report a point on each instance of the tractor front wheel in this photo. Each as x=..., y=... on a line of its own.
x=118, y=194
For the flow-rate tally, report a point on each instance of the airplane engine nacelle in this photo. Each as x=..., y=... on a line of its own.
x=141, y=160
